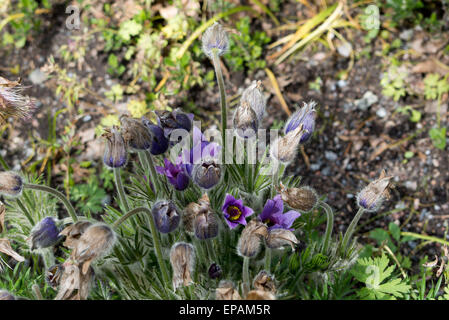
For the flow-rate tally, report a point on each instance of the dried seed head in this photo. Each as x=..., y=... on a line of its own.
x=74, y=284
x=254, y=97
x=216, y=39
x=5, y=295
x=372, y=196
x=73, y=232
x=95, y=242
x=277, y=238
x=45, y=234
x=306, y=117
x=251, y=237
x=214, y=271
x=135, y=133
x=207, y=174
x=13, y=103
x=226, y=291
x=260, y=295
x=182, y=259
x=115, y=154
x=245, y=121
x=11, y=184
x=264, y=282
x=206, y=226
x=166, y=216
x=194, y=209
x=284, y=149
x=303, y=198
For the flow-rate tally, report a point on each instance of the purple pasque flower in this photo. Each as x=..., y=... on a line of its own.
x=202, y=149
x=175, y=174
x=305, y=116
x=176, y=119
x=45, y=234
x=159, y=143
x=272, y=214
x=235, y=212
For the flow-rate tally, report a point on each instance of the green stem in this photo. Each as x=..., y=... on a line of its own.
x=329, y=226
x=223, y=100
x=128, y=215
x=3, y=163
x=245, y=276
x=351, y=229
x=157, y=247
x=57, y=194
x=275, y=180
x=120, y=189
x=210, y=250
x=267, y=259
x=153, y=173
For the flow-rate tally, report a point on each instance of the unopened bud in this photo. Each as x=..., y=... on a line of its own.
x=284, y=149
x=245, y=121
x=115, y=154
x=166, y=216
x=215, y=38
x=159, y=143
x=306, y=117
x=206, y=226
x=372, y=196
x=182, y=259
x=214, y=271
x=207, y=174
x=11, y=184
x=254, y=97
x=45, y=234
x=303, y=198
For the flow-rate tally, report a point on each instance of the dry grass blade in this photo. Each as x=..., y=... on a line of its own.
x=275, y=84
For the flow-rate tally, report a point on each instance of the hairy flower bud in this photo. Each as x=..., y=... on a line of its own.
x=13, y=103
x=11, y=184
x=206, y=226
x=73, y=232
x=277, y=238
x=214, y=271
x=303, y=198
x=45, y=234
x=176, y=119
x=305, y=116
x=194, y=209
x=245, y=121
x=182, y=259
x=135, y=133
x=265, y=282
x=159, y=143
x=251, y=238
x=96, y=241
x=166, y=216
x=216, y=39
x=372, y=196
x=115, y=154
x=207, y=174
x=254, y=97
x=284, y=149
x=226, y=291
x=5, y=295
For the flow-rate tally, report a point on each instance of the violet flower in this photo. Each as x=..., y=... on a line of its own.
x=305, y=116
x=272, y=214
x=235, y=212
x=175, y=174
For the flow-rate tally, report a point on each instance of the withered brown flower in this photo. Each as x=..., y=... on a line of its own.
x=182, y=259
x=251, y=238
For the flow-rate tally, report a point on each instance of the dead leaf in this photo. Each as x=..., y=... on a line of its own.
x=431, y=264
x=5, y=247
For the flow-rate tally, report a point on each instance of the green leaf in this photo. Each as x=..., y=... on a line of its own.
x=395, y=231
x=128, y=29
x=438, y=136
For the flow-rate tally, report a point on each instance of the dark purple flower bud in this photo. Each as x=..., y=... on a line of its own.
x=166, y=216
x=159, y=143
x=11, y=184
x=305, y=116
x=45, y=234
x=115, y=154
x=372, y=196
x=214, y=271
x=175, y=174
x=176, y=119
x=135, y=133
x=205, y=225
x=215, y=38
x=245, y=121
x=207, y=174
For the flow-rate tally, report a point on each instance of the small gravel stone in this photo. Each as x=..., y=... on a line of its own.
x=331, y=156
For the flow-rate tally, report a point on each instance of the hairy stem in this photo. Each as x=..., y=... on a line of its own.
x=57, y=194
x=128, y=215
x=223, y=100
x=245, y=276
x=351, y=229
x=153, y=173
x=329, y=226
x=120, y=189
x=267, y=259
